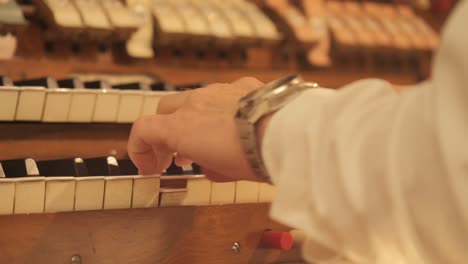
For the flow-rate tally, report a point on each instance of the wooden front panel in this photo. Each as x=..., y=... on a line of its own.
x=50, y=141
x=203, y=234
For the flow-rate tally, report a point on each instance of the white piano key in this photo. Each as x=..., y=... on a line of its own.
x=172, y=197
x=247, y=192
x=82, y=105
x=119, y=14
x=130, y=107
x=89, y=193
x=118, y=192
x=198, y=191
x=92, y=14
x=107, y=105
x=7, y=196
x=266, y=192
x=30, y=104
x=29, y=195
x=145, y=191
x=59, y=194
x=65, y=13
x=8, y=102
x=223, y=192
x=57, y=105
x=150, y=103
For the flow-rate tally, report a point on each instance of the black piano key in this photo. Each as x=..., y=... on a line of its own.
x=5, y=81
x=173, y=169
x=136, y=86
x=102, y=166
x=80, y=167
x=127, y=167
x=196, y=169
x=2, y=172
x=189, y=86
x=62, y=167
x=70, y=83
x=162, y=86
x=98, y=84
x=19, y=168
x=43, y=82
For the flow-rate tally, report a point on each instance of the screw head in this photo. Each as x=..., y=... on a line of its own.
x=235, y=248
x=76, y=259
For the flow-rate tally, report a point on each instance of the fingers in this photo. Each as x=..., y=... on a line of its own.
x=148, y=145
x=215, y=176
x=248, y=82
x=170, y=103
x=182, y=161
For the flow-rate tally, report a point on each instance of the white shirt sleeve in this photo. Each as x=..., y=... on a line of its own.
x=375, y=175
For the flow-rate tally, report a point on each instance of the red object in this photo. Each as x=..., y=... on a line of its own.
x=277, y=240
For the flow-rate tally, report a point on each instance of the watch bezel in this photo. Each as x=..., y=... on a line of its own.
x=271, y=97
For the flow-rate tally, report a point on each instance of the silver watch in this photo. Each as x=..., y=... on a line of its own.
x=252, y=107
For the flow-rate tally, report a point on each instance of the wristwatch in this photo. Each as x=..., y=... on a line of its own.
x=265, y=100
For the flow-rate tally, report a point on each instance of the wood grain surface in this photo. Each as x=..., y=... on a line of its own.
x=203, y=234
x=50, y=141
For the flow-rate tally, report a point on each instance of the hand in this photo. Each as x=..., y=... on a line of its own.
x=199, y=125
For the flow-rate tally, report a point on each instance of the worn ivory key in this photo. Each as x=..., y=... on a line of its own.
x=8, y=102
x=82, y=100
x=139, y=45
x=264, y=27
x=30, y=104
x=223, y=193
x=131, y=101
x=107, y=101
x=57, y=105
x=197, y=192
x=219, y=25
x=247, y=192
x=145, y=188
x=60, y=183
x=118, y=189
x=266, y=192
x=29, y=187
x=64, y=13
x=241, y=28
x=7, y=193
x=92, y=14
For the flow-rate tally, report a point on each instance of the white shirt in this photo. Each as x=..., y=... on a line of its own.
x=379, y=176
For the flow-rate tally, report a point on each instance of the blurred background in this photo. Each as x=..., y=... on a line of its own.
x=92, y=67
x=190, y=42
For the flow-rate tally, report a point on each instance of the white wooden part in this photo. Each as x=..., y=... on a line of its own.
x=223, y=193
x=266, y=193
x=29, y=195
x=145, y=192
x=30, y=104
x=118, y=192
x=130, y=107
x=8, y=102
x=57, y=105
x=89, y=193
x=107, y=105
x=7, y=196
x=59, y=195
x=82, y=106
x=247, y=192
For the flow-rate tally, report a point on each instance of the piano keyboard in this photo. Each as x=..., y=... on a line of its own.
x=70, y=100
x=29, y=186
